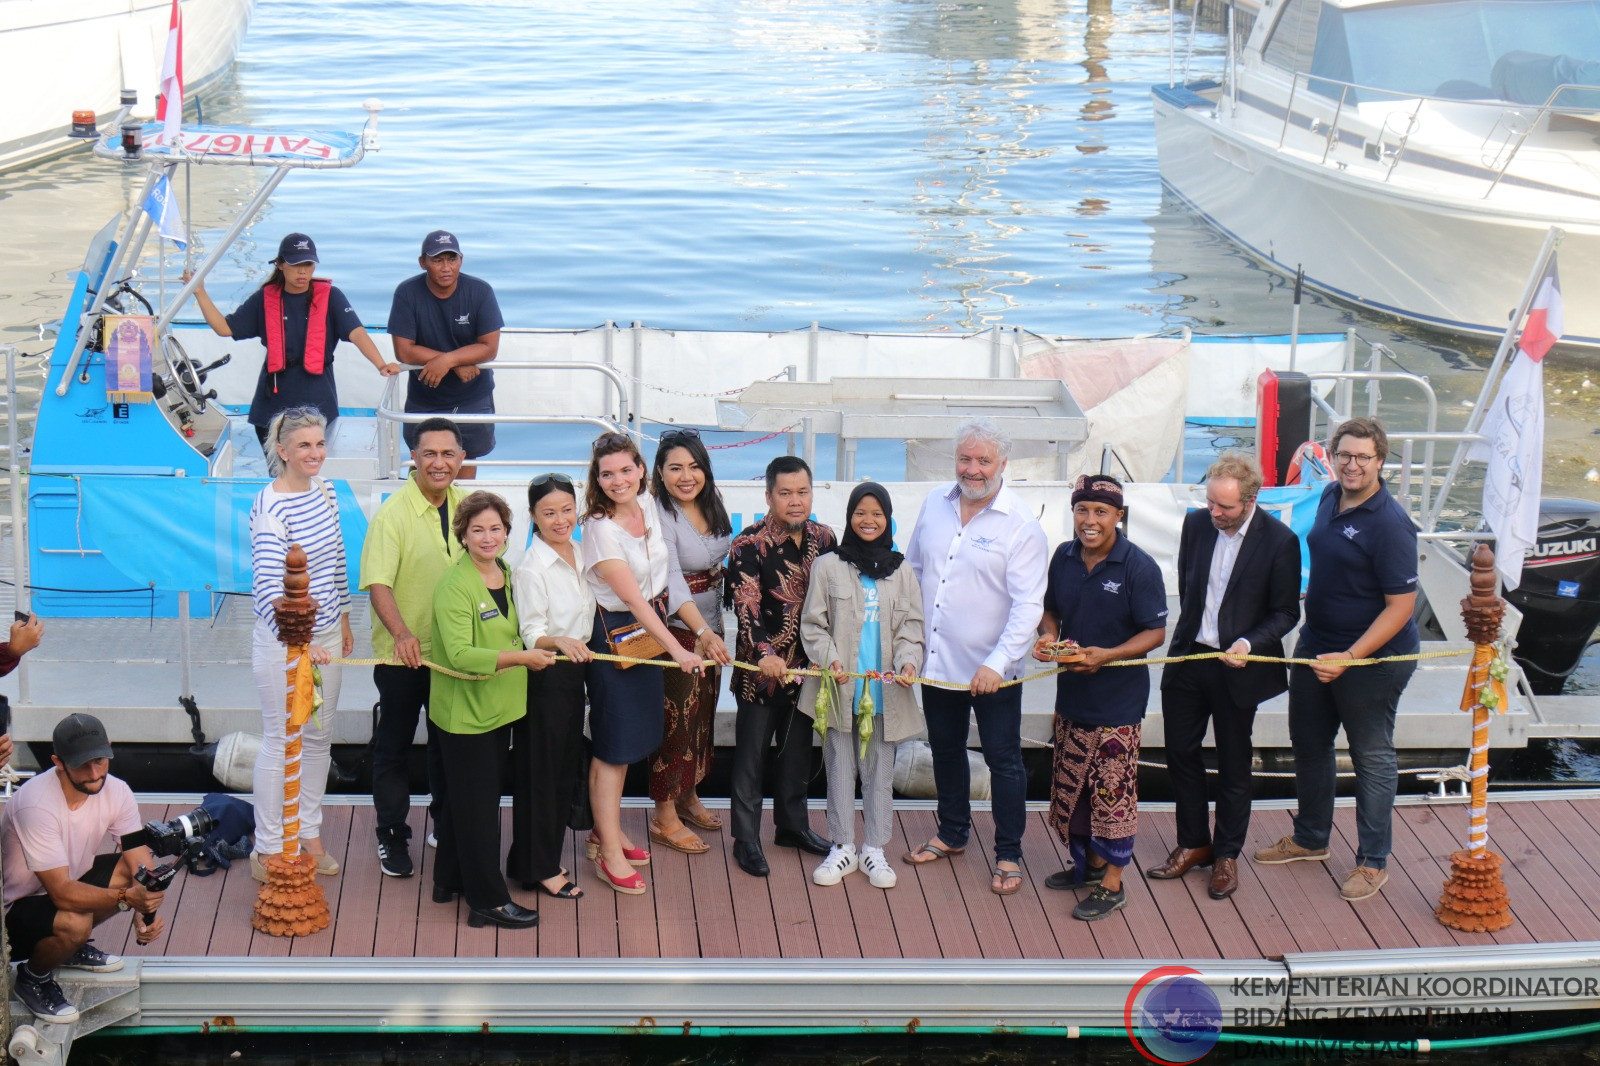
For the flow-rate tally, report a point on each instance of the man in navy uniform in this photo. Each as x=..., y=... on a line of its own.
x=1238, y=593
x=448, y=323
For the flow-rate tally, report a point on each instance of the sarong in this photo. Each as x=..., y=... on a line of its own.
x=1094, y=795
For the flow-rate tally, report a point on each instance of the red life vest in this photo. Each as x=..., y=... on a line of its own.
x=316, y=353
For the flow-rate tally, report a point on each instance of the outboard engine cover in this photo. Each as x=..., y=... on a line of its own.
x=1560, y=593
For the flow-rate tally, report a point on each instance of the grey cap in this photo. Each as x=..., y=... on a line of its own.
x=80, y=738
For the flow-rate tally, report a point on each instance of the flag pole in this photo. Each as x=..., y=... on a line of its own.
x=1492, y=377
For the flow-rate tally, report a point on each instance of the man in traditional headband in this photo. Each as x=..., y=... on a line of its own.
x=1109, y=597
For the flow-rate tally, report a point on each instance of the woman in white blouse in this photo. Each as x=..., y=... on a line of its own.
x=556, y=612
x=625, y=561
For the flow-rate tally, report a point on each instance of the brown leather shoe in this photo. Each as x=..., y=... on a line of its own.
x=1224, y=878
x=1180, y=862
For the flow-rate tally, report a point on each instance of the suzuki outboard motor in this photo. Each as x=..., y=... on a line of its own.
x=1560, y=593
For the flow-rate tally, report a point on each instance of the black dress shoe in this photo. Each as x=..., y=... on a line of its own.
x=751, y=859
x=443, y=895
x=804, y=839
x=509, y=915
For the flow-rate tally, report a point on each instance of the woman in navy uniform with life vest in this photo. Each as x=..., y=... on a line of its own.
x=300, y=319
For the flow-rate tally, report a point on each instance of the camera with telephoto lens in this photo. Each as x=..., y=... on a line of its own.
x=183, y=837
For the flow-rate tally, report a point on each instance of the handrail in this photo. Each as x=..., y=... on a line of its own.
x=392, y=415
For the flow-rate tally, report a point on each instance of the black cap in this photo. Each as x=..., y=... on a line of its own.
x=80, y=738
x=297, y=248
x=439, y=242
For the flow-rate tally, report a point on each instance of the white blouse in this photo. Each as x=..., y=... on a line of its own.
x=646, y=556
x=553, y=599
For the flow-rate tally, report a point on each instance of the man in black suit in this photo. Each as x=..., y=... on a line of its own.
x=1238, y=593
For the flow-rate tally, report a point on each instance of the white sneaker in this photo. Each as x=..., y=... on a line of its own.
x=879, y=872
x=840, y=861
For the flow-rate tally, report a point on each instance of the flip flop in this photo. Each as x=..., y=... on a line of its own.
x=934, y=850
x=684, y=840
x=701, y=819
x=1010, y=881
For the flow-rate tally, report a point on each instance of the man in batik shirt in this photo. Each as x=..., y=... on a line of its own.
x=769, y=570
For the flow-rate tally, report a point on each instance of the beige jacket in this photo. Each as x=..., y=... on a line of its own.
x=830, y=629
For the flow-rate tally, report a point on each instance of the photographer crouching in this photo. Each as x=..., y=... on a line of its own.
x=58, y=886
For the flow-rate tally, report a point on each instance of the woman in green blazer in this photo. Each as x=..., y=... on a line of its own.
x=475, y=633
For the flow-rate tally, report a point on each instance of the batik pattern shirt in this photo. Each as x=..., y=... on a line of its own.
x=767, y=578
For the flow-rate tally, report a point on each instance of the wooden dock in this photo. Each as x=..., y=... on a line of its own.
x=709, y=946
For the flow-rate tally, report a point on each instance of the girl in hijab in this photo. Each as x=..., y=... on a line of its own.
x=863, y=614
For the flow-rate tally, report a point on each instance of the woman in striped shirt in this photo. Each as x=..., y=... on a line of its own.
x=296, y=508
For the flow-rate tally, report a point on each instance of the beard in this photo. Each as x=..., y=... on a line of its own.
x=794, y=527
x=976, y=490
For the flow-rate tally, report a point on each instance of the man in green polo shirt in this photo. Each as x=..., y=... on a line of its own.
x=408, y=549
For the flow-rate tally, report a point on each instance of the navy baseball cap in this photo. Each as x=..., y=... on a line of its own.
x=439, y=242
x=80, y=738
x=297, y=248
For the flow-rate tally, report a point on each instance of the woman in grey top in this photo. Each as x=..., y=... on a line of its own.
x=695, y=526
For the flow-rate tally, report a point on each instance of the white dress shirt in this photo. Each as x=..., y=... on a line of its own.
x=1223, y=555
x=982, y=583
x=553, y=599
x=646, y=556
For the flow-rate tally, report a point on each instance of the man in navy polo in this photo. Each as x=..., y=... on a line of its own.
x=1359, y=605
x=448, y=323
x=1107, y=595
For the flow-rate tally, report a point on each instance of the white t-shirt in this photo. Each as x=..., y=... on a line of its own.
x=646, y=556
x=38, y=831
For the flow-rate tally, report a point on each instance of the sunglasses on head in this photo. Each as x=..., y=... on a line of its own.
x=612, y=440
x=680, y=434
x=545, y=479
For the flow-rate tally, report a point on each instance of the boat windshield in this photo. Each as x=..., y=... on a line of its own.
x=1515, y=50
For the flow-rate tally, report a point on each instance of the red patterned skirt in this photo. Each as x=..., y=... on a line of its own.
x=1094, y=797
x=684, y=758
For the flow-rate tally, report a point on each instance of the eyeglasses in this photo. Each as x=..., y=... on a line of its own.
x=1346, y=458
x=545, y=479
x=687, y=433
x=612, y=440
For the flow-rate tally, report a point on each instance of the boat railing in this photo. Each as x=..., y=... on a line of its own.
x=1508, y=130
x=392, y=415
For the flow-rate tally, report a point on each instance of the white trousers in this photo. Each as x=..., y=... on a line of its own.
x=267, y=663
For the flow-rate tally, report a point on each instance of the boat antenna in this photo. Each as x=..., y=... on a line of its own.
x=1294, y=315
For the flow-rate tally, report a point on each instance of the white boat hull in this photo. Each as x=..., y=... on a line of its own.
x=61, y=56
x=1450, y=263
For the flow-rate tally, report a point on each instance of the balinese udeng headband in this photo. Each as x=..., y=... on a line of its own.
x=1098, y=488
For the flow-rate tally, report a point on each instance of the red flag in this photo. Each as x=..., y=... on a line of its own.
x=169, y=104
x=1544, y=325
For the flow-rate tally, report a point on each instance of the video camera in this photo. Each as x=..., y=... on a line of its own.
x=183, y=837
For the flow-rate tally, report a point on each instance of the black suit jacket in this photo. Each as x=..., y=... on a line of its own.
x=1261, y=603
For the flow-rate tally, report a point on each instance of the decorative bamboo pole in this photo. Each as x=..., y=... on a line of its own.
x=1475, y=898
x=291, y=902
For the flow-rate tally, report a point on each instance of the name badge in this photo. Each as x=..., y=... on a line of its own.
x=490, y=613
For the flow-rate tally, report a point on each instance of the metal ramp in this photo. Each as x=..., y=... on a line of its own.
x=102, y=999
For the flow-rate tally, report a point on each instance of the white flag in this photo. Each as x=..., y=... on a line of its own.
x=1514, y=478
x=163, y=211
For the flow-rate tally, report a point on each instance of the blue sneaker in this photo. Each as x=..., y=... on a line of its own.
x=94, y=960
x=43, y=997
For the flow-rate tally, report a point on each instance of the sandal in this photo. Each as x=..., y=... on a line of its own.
x=568, y=890
x=700, y=818
x=1010, y=881
x=932, y=851
x=636, y=856
x=683, y=840
x=628, y=886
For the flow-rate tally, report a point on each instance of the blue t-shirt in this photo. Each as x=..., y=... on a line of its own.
x=869, y=654
x=1358, y=557
x=445, y=325
x=294, y=386
x=1120, y=598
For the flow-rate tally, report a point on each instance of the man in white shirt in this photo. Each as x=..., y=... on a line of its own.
x=980, y=557
x=1238, y=593
x=58, y=884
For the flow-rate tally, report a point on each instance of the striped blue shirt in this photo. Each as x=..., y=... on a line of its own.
x=311, y=520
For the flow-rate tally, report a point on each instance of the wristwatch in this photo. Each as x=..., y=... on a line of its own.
x=122, y=900
x=702, y=631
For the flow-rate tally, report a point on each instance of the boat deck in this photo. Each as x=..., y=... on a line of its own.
x=710, y=946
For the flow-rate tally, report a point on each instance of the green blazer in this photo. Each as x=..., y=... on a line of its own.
x=469, y=632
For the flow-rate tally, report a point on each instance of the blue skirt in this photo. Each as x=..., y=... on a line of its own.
x=625, y=706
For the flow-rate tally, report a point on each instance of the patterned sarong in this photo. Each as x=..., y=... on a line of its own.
x=1094, y=797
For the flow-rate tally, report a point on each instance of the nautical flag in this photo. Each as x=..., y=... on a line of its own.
x=1515, y=428
x=163, y=211
x=169, y=104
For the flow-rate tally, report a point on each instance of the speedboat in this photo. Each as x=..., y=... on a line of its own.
x=81, y=55
x=142, y=474
x=1409, y=155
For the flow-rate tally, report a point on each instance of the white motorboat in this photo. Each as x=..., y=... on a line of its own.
x=1409, y=154
x=61, y=56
